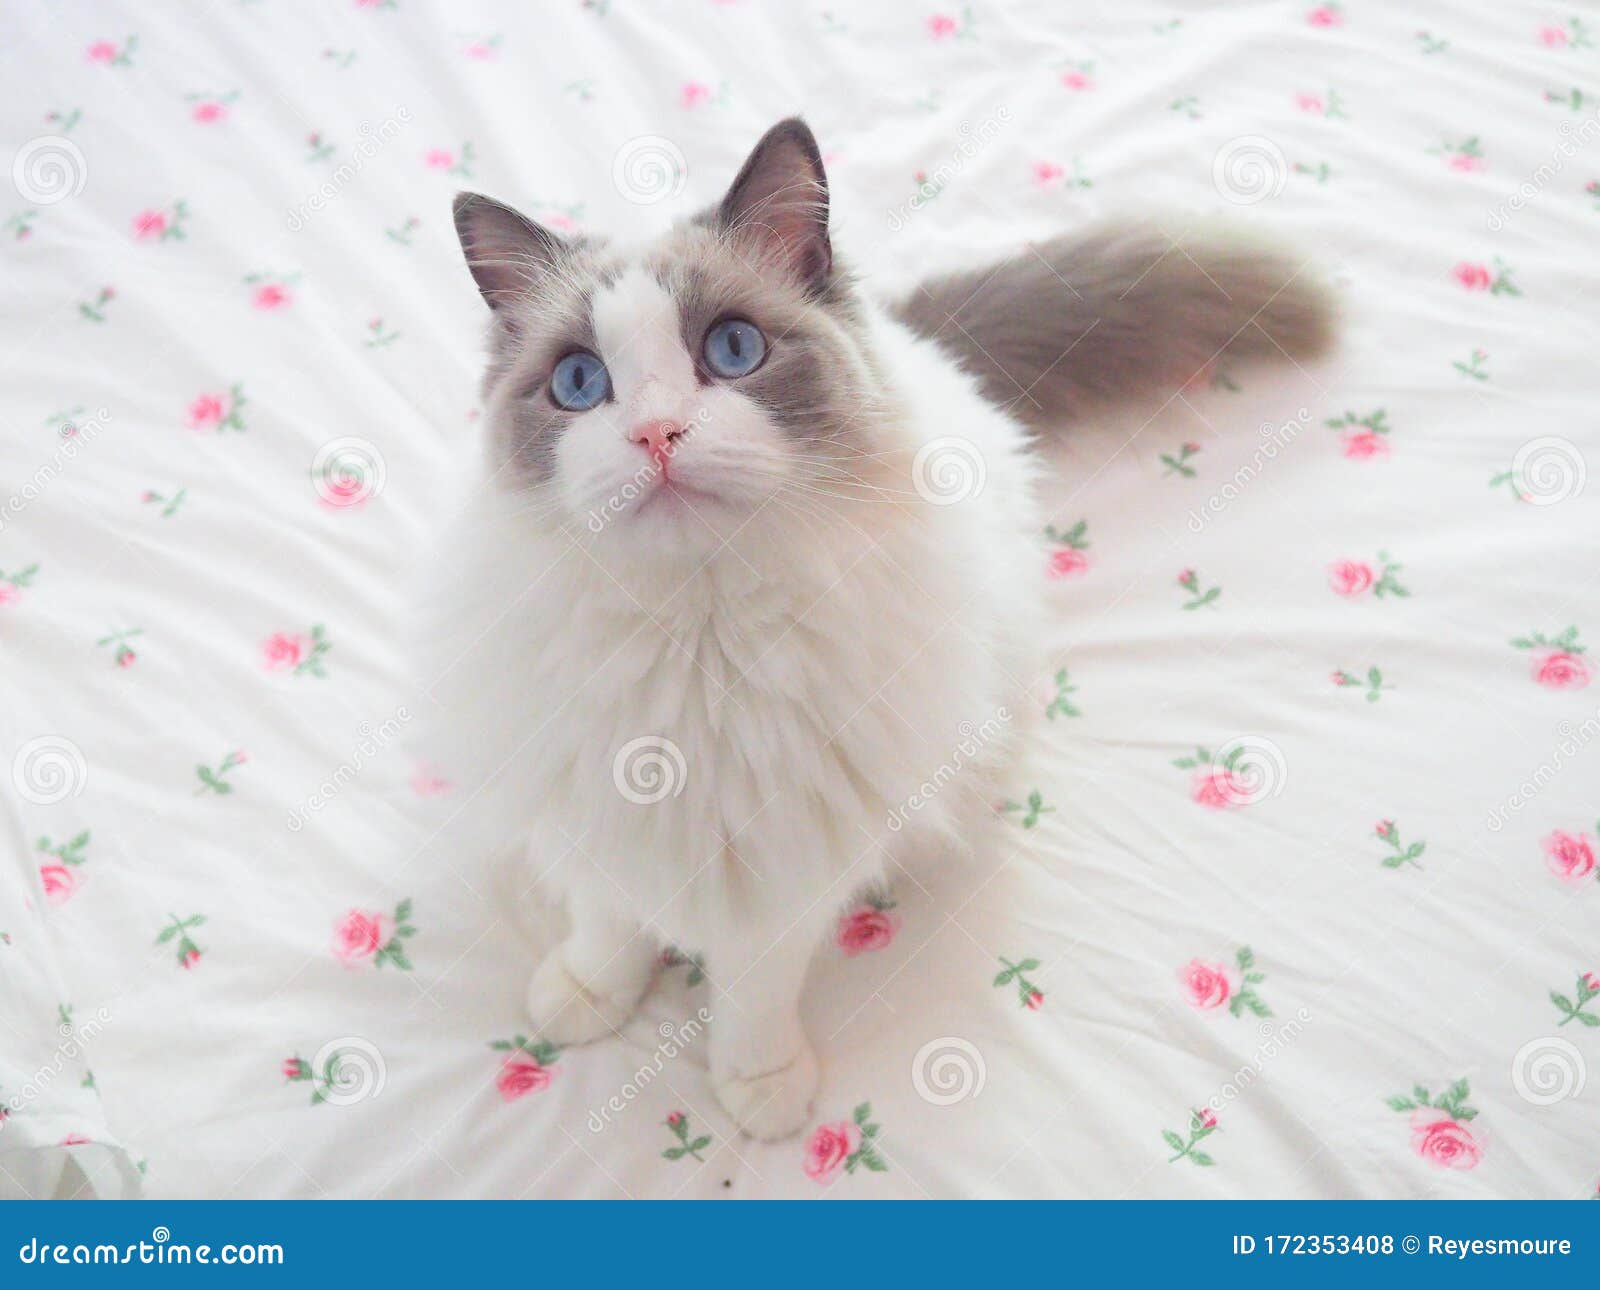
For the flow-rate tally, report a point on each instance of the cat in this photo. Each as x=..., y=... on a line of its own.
x=752, y=556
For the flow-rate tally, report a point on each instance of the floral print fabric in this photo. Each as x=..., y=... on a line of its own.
x=1294, y=890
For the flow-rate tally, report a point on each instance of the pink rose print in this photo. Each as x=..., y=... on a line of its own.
x=1400, y=853
x=1309, y=103
x=1178, y=463
x=518, y=1077
x=526, y=1067
x=1350, y=577
x=107, y=54
x=364, y=934
x=694, y=93
x=1028, y=994
x=270, y=295
x=296, y=652
x=103, y=51
x=1202, y=1124
x=1068, y=562
x=1569, y=856
x=1364, y=445
x=941, y=26
x=1561, y=671
x=870, y=927
x=9, y=594
x=59, y=883
x=176, y=934
x=1212, y=985
x=1446, y=1143
x=1071, y=556
x=76, y=1140
x=1374, y=682
x=439, y=159
x=1364, y=437
x=1199, y=596
x=1060, y=702
x=828, y=1149
x=1206, y=984
x=1558, y=663
x=678, y=1122
x=358, y=937
x=208, y=112
x=1327, y=15
x=1218, y=784
x=1046, y=173
x=1552, y=37
x=293, y=1068
x=1441, y=1139
x=1480, y=277
x=1218, y=789
x=1586, y=992
x=841, y=1146
x=216, y=781
x=216, y=412
x=1077, y=80
x=149, y=224
x=284, y=651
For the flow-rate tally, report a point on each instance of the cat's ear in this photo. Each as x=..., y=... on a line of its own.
x=781, y=199
x=506, y=251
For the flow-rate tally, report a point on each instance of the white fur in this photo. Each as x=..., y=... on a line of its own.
x=817, y=671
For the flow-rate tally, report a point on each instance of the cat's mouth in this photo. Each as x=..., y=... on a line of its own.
x=675, y=493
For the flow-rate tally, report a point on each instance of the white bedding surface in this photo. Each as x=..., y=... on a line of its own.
x=317, y=304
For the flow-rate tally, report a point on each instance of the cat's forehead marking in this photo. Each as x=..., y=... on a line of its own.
x=636, y=325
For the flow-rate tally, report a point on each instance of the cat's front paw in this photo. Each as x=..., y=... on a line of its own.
x=773, y=1104
x=565, y=1012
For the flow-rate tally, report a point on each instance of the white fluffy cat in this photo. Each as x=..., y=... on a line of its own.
x=753, y=557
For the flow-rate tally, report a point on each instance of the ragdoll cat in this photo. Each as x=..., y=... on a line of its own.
x=752, y=555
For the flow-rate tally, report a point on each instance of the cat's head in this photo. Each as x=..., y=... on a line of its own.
x=668, y=392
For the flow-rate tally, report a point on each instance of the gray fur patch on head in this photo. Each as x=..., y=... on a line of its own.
x=552, y=317
x=813, y=382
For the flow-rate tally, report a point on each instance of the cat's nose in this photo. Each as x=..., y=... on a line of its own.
x=659, y=438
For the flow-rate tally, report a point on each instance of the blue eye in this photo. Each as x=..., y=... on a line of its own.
x=735, y=347
x=580, y=381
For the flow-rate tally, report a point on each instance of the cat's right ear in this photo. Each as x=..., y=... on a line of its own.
x=506, y=251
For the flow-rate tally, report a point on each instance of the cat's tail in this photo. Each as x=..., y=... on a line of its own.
x=1120, y=314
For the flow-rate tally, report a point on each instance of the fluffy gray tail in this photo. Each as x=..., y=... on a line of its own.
x=1120, y=314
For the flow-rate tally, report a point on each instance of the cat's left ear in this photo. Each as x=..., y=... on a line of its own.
x=780, y=200
x=506, y=251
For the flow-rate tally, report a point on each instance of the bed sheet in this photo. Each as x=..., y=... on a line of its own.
x=1294, y=893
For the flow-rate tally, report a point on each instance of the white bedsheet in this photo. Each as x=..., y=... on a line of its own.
x=259, y=263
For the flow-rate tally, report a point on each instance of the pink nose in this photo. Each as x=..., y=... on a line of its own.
x=658, y=437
